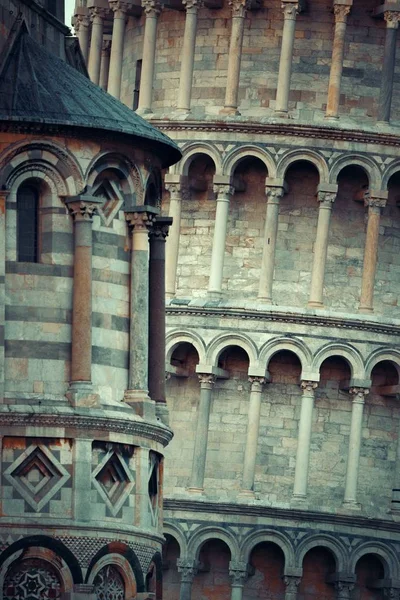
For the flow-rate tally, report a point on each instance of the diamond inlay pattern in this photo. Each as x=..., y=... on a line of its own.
x=113, y=480
x=37, y=475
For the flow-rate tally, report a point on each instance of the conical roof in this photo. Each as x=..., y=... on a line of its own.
x=37, y=87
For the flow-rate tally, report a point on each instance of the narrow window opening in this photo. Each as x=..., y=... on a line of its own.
x=136, y=91
x=27, y=224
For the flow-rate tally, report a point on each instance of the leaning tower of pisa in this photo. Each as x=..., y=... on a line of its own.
x=283, y=281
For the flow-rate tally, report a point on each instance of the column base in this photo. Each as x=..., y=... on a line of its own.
x=144, y=111
x=351, y=505
x=80, y=393
x=282, y=114
x=214, y=295
x=229, y=110
x=333, y=118
x=195, y=491
x=246, y=496
x=162, y=412
x=365, y=309
x=315, y=304
x=182, y=111
x=141, y=404
x=299, y=500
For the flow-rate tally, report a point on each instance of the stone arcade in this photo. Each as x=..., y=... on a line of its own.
x=282, y=480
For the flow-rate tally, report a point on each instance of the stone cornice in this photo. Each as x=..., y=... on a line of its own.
x=295, y=514
x=147, y=430
x=282, y=129
x=340, y=322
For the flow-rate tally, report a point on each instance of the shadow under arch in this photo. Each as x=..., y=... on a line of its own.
x=310, y=156
x=178, y=535
x=192, y=150
x=349, y=353
x=158, y=562
x=52, y=544
x=220, y=343
x=176, y=337
x=272, y=347
x=200, y=537
x=269, y=535
x=126, y=552
x=369, y=167
x=337, y=549
x=232, y=160
x=380, y=355
x=389, y=559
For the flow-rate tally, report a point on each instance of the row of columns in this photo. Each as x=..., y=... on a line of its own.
x=239, y=572
x=147, y=308
x=207, y=381
x=291, y=9
x=275, y=190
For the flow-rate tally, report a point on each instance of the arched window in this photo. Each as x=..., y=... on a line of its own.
x=34, y=579
x=109, y=585
x=27, y=224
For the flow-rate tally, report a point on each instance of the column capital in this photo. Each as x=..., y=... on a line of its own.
x=392, y=18
x=358, y=394
x=192, y=5
x=119, y=6
x=177, y=190
x=308, y=386
x=257, y=383
x=326, y=199
x=81, y=21
x=160, y=228
x=274, y=193
x=141, y=217
x=344, y=589
x=207, y=380
x=223, y=191
x=238, y=572
x=151, y=8
x=341, y=11
x=239, y=7
x=83, y=207
x=187, y=569
x=375, y=199
x=97, y=12
x=291, y=582
x=290, y=10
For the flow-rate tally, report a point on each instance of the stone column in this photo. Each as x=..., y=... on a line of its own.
x=396, y=479
x=350, y=493
x=274, y=193
x=156, y=376
x=304, y=440
x=3, y=198
x=187, y=569
x=223, y=192
x=238, y=574
x=117, y=47
x=177, y=193
x=375, y=203
x=81, y=25
x=292, y=582
x=290, y=11
x=389, y=62
x=104, y=64
x=140, y=220
x=326, y=200
x=239, y=8
x=332, y=108
x=151, y=10
x=97, y=16
x=187, y=56
x=253, y=425
x=82, y=209
x=207, y=381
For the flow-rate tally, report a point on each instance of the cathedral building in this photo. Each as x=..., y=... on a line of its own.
x=283, y=277
x=83, y=421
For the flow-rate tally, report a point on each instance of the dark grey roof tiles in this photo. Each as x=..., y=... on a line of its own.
x=37, y=87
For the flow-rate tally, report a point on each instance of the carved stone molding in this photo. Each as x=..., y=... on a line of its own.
x=97, y=13
x=344, y=590
x=290, y=11
x=118, y=6
x=223, y=191
x=80, y=22
x=140, y=221
x=81, y=210
x=292, y=583
x=192, y=5
x=187, y=569
x=40, y=420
